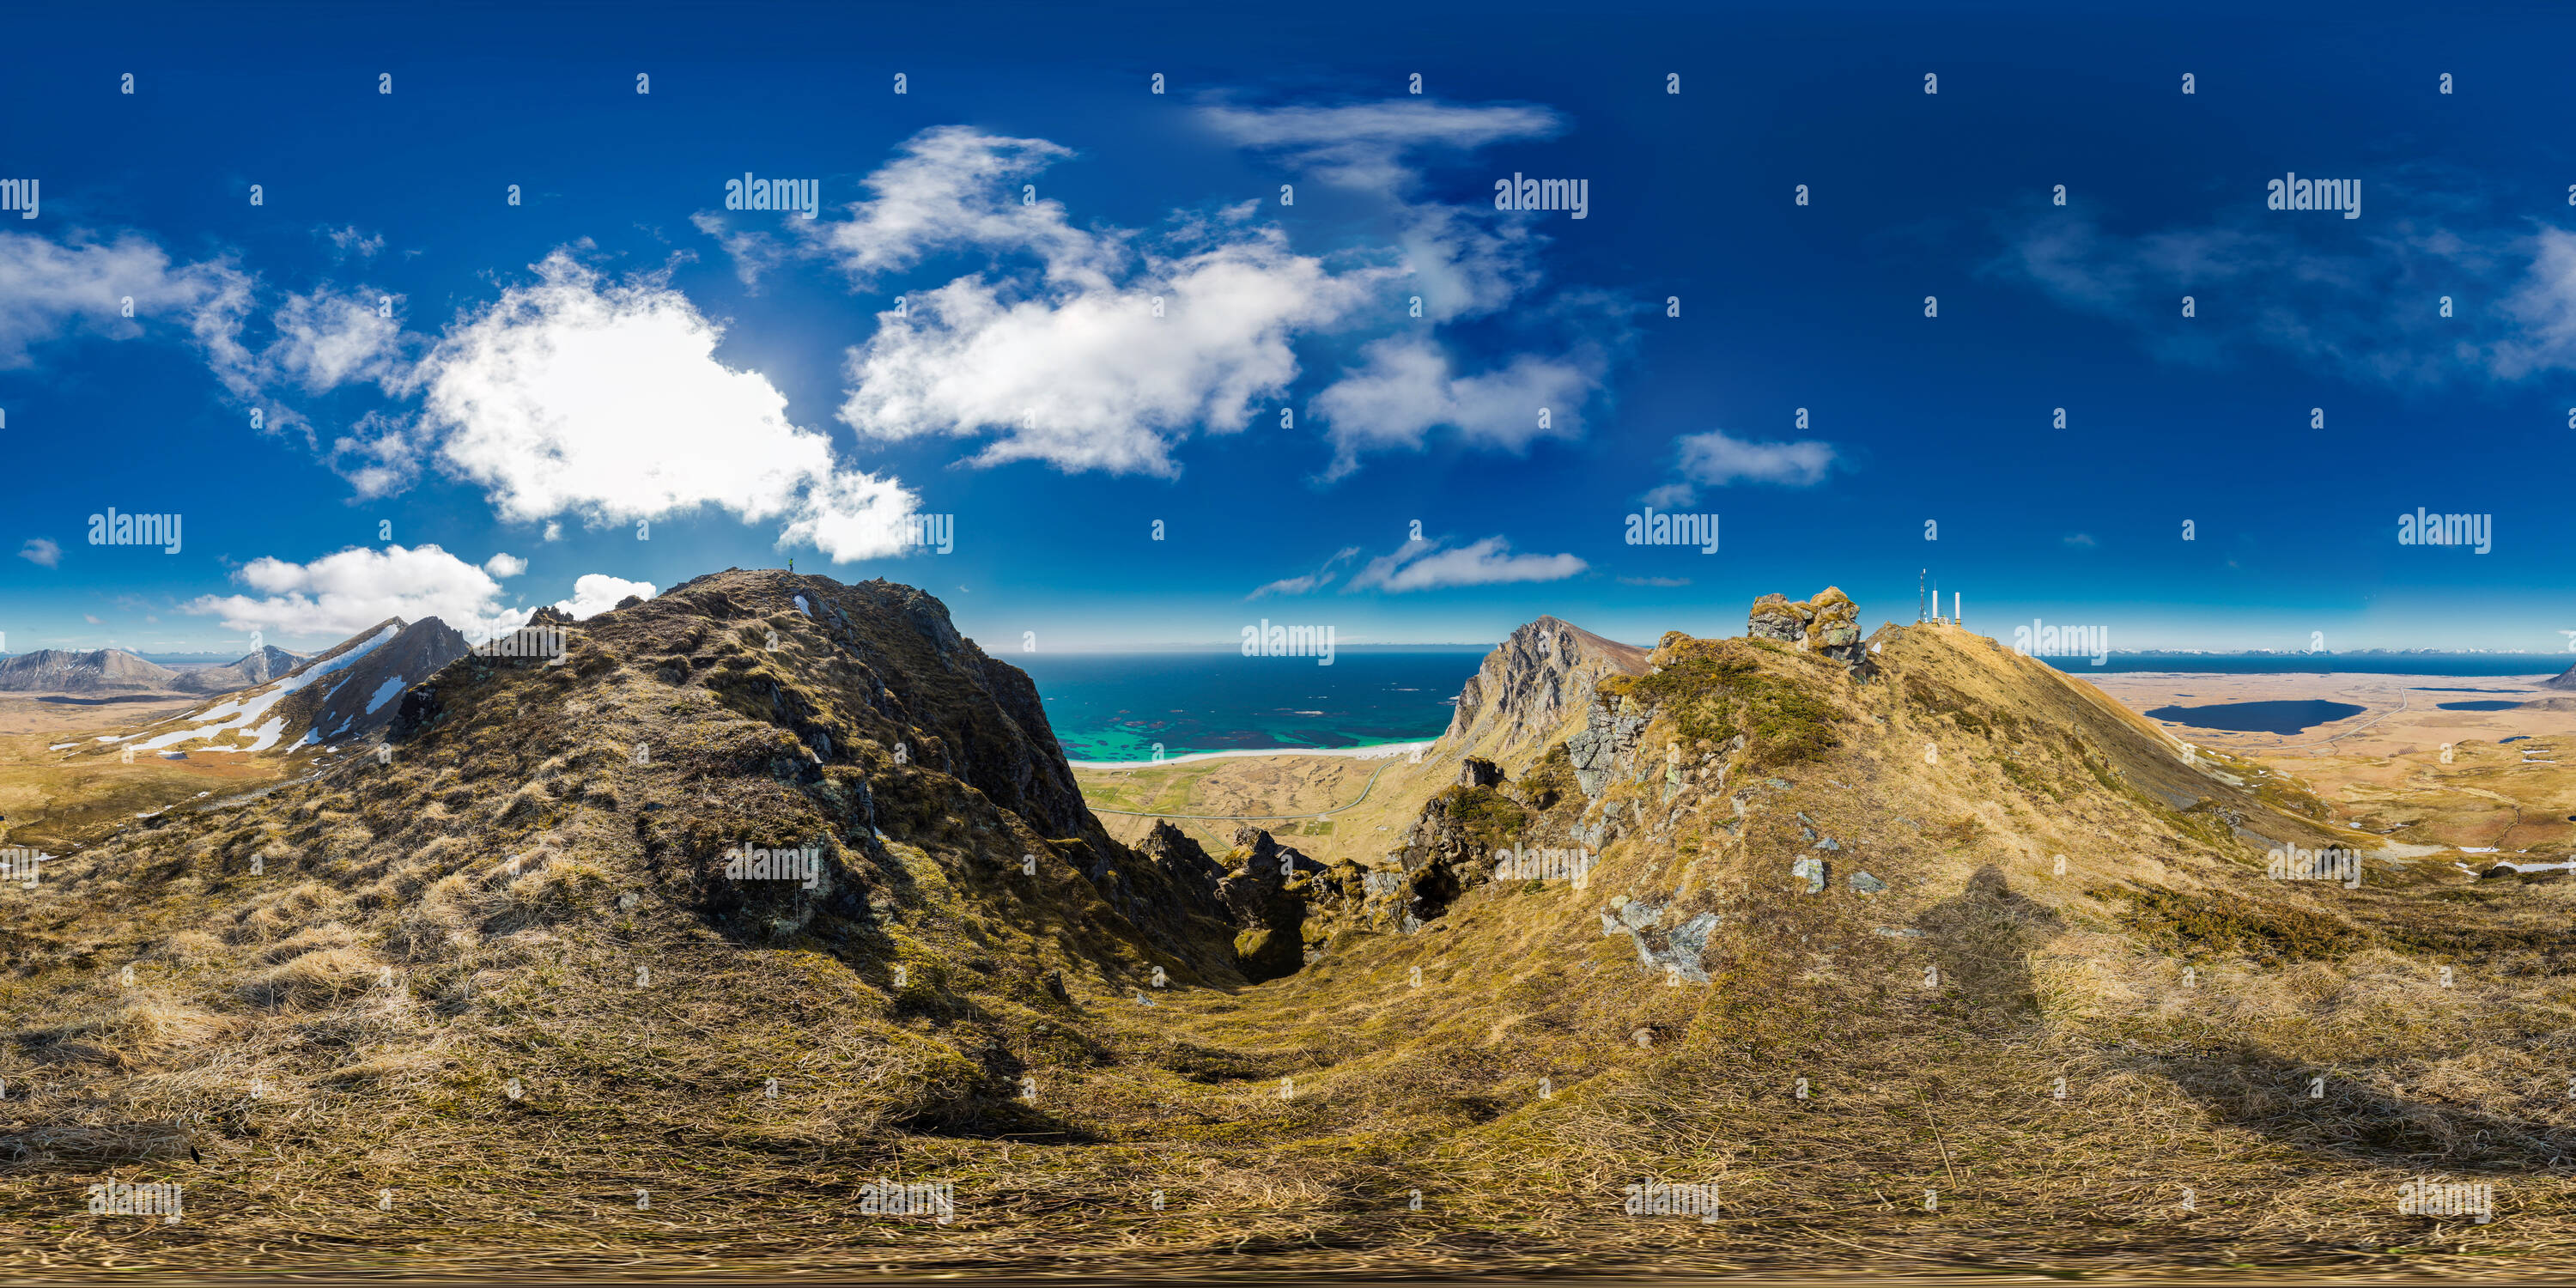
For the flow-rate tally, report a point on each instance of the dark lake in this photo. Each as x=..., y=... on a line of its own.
x=2483, y=705
x=2285, y=717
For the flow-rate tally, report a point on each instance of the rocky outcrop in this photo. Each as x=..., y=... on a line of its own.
x=1672, y=951
x=1531, y=686
x=2563, y=680
x=1828, y=624
x=1607, y=744
x=1265, y=892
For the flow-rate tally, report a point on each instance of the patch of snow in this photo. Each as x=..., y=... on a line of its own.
x=174, y=755
x=116, y=737
x=2478, y=849
x=242, y=710
x=385, y=692
x=266, y=735
x=60, y=745
x=2569, y=866
x=800, y=606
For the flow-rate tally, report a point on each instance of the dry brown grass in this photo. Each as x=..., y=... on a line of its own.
x=642, y=1034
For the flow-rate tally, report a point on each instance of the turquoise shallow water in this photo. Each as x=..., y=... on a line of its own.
x=1116, y=706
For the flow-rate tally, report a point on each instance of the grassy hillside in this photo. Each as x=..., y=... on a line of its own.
x=543, y=906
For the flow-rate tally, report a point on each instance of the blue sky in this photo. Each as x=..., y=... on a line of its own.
x=620, y=349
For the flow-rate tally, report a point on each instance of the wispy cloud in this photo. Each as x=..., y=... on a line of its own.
x=1430, y=565
x=42, y=552
x=1408, y=386
x=347, y=241
x=1310, y=582
x=1365, y=145
x=2364, y=301
x=81, y=285
x=1718, y=459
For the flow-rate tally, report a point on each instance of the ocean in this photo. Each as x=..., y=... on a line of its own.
x=1117, y=706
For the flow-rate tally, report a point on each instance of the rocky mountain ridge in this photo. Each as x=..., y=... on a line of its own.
x=267, y=663
x=107, y=670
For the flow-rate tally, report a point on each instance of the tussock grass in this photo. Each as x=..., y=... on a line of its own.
x=641, y=1010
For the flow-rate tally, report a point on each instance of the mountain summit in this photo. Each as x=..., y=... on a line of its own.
x=268, y=663
x=1539, y=678
x=107, y=670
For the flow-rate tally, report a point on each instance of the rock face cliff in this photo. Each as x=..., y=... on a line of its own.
x=1530, y=686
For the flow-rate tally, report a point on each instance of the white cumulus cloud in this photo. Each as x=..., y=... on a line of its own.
x=343, y=593
x=42, y=552
x=505, y=565
x=606, y=402
x=595, y=593
x=1103, y=348
x=1089, y=377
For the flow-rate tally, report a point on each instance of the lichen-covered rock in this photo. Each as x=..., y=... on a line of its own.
x=1828, y=624
x=1811, y=871
x=1605, y=738
x=1676, y=952
x=1775, y=617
